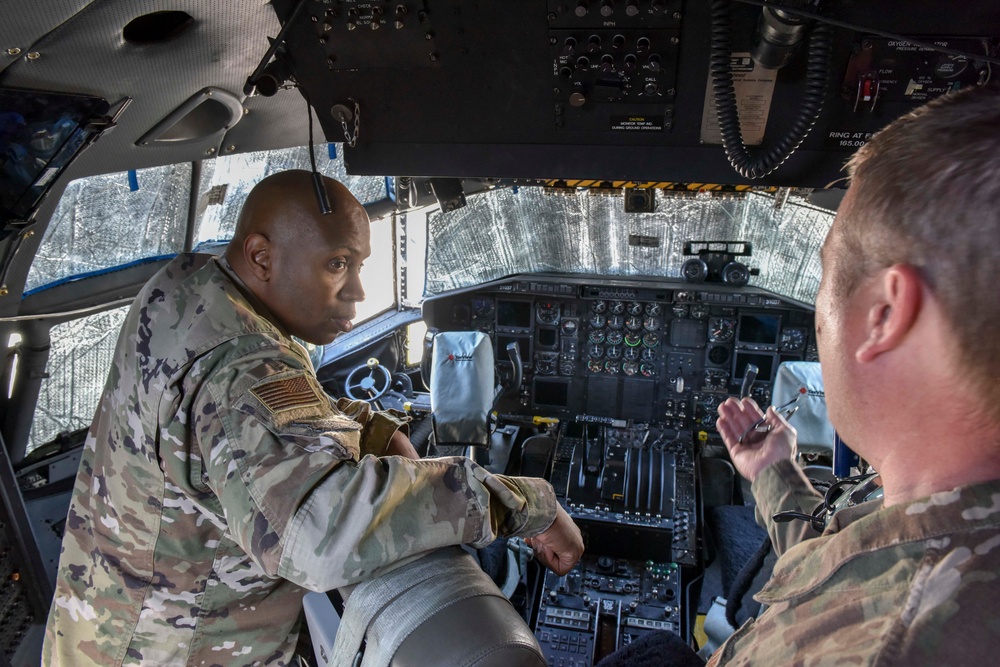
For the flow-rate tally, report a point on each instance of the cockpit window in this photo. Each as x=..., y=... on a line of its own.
x=78, y=365
x=101, y=223
x=106, y=221
x=509, y=231
x=227, y=180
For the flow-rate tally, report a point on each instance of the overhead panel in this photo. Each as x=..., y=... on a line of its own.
x=620, y=89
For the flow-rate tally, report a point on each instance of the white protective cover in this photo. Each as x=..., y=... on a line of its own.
x=461, y=387
x=815, y=432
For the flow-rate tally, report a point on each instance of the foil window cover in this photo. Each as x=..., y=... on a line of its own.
x=239, y=173
x=100, y=223
x=81, y=355
x=504, y=232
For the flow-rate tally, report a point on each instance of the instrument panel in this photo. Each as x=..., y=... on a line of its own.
x=633, y=369
x=655, y=351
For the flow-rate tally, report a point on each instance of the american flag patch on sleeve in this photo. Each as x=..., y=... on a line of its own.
x=293, y=392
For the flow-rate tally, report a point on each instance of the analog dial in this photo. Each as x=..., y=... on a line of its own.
x=630, y=368
x=612, y=367
x=699, y=311
x=633, y=323
x=651, y=339
x=634, y=308
x=616, y=321
x=721, y=329
x=632, y=353
x=617, y=307
x=569, y=327
x=654, y=309
x=652, y=323
x=615, y=352
x=596, y=351
x=597, y=320
x=595, y=366
x=547, y=312
x=599, y=306
x=793, y=339
x=649, y=370
x=615, y=337
x=680, y=310
x=596, y=336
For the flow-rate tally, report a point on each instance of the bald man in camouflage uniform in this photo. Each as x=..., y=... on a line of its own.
x=219, y=482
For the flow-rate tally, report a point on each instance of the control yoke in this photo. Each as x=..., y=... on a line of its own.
x=514, y=353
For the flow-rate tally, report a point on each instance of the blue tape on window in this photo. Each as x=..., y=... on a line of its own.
x=390, y=188
x=331, y=148
x=133, y=180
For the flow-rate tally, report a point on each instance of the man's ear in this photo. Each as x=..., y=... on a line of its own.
x=257, y=253
x=894, y=308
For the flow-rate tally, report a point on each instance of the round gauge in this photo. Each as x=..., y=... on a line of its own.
x=632, y=339
x=634, y=308
x=649, y=370
x=546, y=364
x=633, y=323
x=596, y=336
x=721, y=329
x=630, y=368
x=569, y=327
x=615, y=337
x=599, y=306
x=710, y=402
x=680, y=310
x=597, y=321
x=615, y=352
x=716, y=380
x=718, y=355
x=612, y=367
x=596, y=351
x=651, y=339
x=653, y=309
x=616, y=321
x=547, y=312
x=792, y=339
x=699, y=311
x=617, y=307
x=649, y=355
x=482, y=307
x=632, y=353
x=652, y=323
x=595, y=366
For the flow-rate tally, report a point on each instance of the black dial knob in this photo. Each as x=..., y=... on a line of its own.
x=581, y=8
x=607, y=8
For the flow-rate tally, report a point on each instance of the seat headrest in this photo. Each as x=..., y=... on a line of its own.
x=815, y=432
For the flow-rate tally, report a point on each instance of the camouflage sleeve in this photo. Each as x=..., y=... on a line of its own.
x=783, y=487
x=377, y=427
x=303, y=504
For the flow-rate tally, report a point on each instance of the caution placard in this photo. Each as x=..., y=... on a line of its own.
x=754, y=88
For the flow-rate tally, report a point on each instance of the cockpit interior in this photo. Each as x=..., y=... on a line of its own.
x=625, y=197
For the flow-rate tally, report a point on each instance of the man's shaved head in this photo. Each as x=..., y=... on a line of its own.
x=301, y=264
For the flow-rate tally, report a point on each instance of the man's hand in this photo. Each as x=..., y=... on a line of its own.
x=757, y=451
x=400, y=445
x=560, y=546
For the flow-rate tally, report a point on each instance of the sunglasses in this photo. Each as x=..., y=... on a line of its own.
x=761, y=426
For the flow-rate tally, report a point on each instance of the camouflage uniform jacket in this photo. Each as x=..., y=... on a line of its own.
x=219, y=482
x=913, y=584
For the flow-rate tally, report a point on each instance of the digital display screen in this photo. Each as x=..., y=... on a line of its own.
x=553, y=393
x=547, y=337
x=759, y=329
x=523, y=345
x=763, y=362
x=514, y=314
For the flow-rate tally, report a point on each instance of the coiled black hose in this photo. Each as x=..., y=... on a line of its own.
x=817, y=80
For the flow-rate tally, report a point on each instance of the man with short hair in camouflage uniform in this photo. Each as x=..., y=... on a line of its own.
x=906, y=322
x=219, y=482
